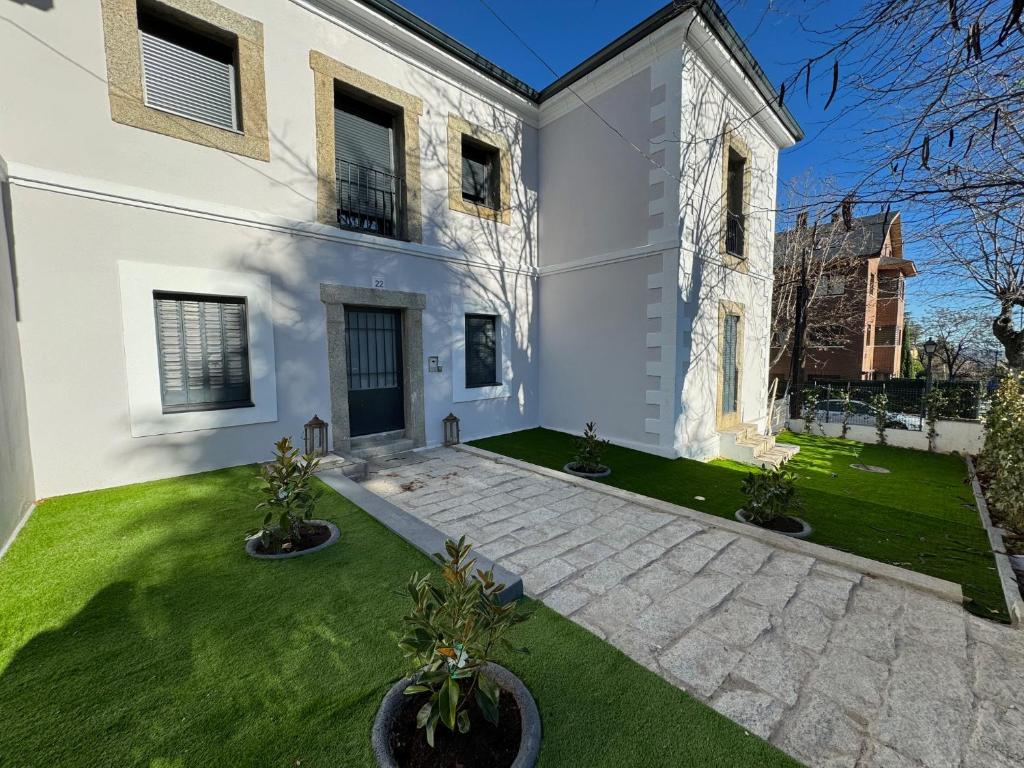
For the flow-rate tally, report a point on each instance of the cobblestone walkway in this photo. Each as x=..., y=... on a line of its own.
x=835, y=668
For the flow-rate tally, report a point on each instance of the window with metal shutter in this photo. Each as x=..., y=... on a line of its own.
x=364, y=136
x=730, y=367
x=481, y=351
x=203, y=351
x=188, y=73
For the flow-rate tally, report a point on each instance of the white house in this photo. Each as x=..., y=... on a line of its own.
x=224, y=217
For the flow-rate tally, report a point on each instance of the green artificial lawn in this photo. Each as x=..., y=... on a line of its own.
x=921, y=516
x=134, y=631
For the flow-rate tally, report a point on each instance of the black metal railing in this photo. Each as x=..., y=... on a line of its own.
x=734, y=234
x=369, y=200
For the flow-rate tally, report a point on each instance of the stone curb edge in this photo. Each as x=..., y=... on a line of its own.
x=946, y=590
x=424, y=537
x=1011, y=592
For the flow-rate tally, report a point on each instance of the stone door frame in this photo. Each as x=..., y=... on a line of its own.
x=336, y=298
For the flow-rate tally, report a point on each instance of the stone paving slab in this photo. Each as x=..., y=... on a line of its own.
x=835, y=666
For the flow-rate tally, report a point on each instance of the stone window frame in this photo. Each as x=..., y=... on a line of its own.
x=335, y=298
x=733, y=141
x=457, y=129
x=328, y=73
x=730, y=308
x=124, y=75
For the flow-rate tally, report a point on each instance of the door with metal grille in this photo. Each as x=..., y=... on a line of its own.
x=373, y=340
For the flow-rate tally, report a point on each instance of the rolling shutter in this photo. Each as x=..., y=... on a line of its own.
x=479, y=175
x=481, y=351
x=188, y=74
x=363, y=136
x=203, y=351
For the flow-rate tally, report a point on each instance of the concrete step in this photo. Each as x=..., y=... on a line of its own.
x=380, y=438
x=351, y=466
x=744, y=443
x=379, y=449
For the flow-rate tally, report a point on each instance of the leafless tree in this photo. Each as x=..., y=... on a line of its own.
x=818, y=245
x=965, y=343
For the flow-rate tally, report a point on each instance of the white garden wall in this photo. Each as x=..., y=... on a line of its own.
x=953, y=436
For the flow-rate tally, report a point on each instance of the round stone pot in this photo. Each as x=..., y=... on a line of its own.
x=251, y=544
x=803, y=533
x=604, y=472
x=529, y=741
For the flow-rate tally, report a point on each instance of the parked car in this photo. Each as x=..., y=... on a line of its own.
x=862, y=414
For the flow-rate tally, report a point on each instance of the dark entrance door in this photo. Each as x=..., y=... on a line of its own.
x=373, y=339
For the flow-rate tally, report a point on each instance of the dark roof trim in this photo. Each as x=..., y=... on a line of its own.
x=451, y=46
x=708, y=9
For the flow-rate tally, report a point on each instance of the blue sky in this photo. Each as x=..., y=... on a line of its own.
x=566, y=32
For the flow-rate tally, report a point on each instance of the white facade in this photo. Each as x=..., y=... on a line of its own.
x=605, y=284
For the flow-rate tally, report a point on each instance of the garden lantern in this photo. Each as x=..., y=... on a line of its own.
x=451, y=429
x=315, y=436
x=929, y=350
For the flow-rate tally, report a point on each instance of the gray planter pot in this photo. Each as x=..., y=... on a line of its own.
x=803, y=533
x=529, y=742
x=251, y=543
x=605, y=471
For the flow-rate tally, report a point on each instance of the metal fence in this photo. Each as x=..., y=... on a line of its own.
x=905, y=407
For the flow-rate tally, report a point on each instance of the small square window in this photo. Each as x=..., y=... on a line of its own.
x=203, y=352
x=481, y=174
x=188, y=71
x=481, y=351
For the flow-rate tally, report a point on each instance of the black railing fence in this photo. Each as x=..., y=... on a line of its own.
x=369, y=200
x=905, y=400
x=734, y=233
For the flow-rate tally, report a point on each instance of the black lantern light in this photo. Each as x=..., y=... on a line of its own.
x=930, y=348
x=315, y=436
x=451, y=429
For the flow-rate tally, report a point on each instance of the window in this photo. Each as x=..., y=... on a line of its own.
x=370, y=192
x=734, y=222
x=203, y=352
x=187, y=72
x=481, y=351
x=833, y=286
x=829, y=335
x=867, y=335
x=886, y=336
x=890, y=287
x=872, y=284
x=481, y=174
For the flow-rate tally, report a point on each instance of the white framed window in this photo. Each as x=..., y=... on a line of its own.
x=481, y=352
x=199, y=348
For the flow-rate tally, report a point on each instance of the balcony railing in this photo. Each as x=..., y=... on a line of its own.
x=734, y=234
x=369, y=200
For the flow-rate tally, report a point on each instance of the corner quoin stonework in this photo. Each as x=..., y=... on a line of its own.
x=457, y=128
x=328, y=72
x=124, y=76
x=335, y=298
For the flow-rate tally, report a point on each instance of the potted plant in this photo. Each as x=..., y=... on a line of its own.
x=459, y=707
x=586, y=462
x=771, y=495
x=289, y=498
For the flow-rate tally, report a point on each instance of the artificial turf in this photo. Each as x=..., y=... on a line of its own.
x=134, y=631
x=920, y=516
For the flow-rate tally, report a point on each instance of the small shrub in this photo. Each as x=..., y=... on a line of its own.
x=1002, y=459
x=935, y=404
x=770, y=493
x=810, y=411
x=588, y=451
x=288, y=497
x=880, y=407
x=843, y=396
x=451, y=634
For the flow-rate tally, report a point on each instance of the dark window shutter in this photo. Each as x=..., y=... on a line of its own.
x=203, y=351
x=480, y=175
x=364, y=136
x=481, y=351
x=188, y=74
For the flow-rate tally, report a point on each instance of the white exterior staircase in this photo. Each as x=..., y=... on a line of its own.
x=744, y=443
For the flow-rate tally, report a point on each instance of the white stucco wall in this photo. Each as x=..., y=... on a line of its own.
x=72, y=337
x=963, y=437
x=17, y=490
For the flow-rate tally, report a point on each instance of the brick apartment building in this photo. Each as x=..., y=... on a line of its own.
x=865, y=294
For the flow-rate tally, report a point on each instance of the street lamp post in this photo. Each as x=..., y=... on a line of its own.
x=929, y=350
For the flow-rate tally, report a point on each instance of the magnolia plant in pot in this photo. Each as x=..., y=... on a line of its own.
x=289, y=500
x=459, y=707
x=586, y=462
x=771, y=497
